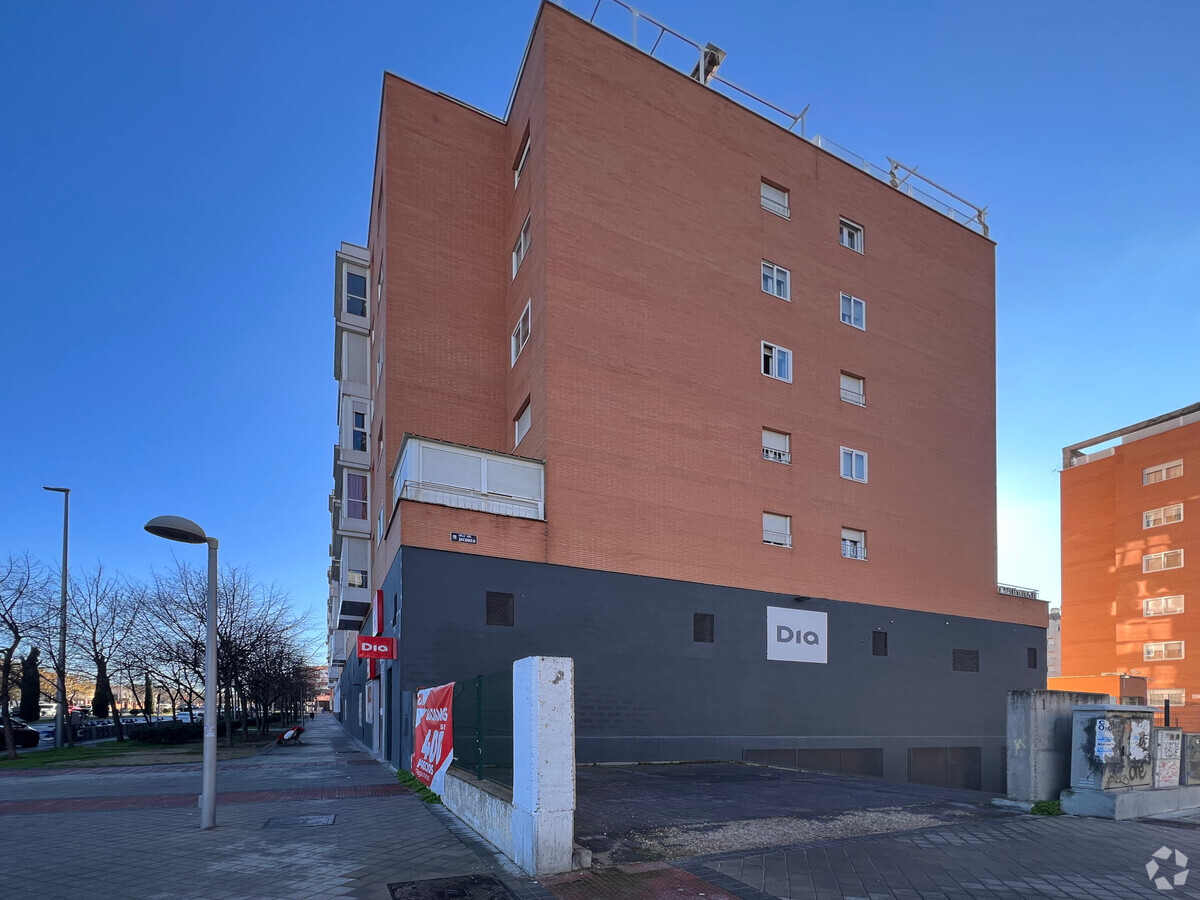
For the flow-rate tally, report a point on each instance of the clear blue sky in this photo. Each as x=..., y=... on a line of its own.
x=174, y=179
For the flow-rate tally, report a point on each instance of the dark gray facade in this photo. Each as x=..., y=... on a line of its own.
x=647, y=689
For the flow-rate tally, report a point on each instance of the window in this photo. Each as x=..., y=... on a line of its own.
x=378, y=366
x=521, y=248
x=776, y=280
x=520, y=335
x=1156, y=696
x=379, y=288
x=854, y=464
x=965, y=660
x=356, y=294
x=1155, y=474
x=1162, y=606
x=702, y=628
x=1166, y=515
x=523, y=420
x=1156, y=562
x=853, y=389
x=357, y=578
x=775, y=200
x=777, y=530
x=850, y=235
x=777, y=446
x=501, y=609
x=1031, y=656
x=1163, y=650
x=854, y=312
x=879, y=643
x=360, y=431
x=379, y=528
x=854, y=543
x=356, y=496
x=776, y=362
x=519, y=165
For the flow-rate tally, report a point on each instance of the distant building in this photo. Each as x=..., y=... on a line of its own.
x=637, y=376
x=1126, y=532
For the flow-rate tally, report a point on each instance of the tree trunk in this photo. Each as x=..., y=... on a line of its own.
x=5, y=675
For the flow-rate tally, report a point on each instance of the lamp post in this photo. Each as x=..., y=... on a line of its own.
x=176, y=528
x=61, y=725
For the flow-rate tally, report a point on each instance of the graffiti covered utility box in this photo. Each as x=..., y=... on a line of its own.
x=1189, y=764
x=1168, y=744
x=1111, y=747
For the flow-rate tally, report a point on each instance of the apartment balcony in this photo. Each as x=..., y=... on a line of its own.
x=341, y=646
x=779, y=456
x=778, y=538
x=853, y=550
x=349, y=458
x=466, y=478
x=1014, y=591
x=353, y=607
x=854, y=397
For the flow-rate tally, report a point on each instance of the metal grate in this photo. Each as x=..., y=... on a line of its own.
x=501, y=609
x=966, y=660
x=702, y=627
x=879, y=643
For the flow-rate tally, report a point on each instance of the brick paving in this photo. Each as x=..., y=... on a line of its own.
x=161, y=801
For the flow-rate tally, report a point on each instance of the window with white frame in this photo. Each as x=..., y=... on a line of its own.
x=776, y=362
x=522, y=422
x=1156, y=562
x=775, y=199
x=854, y=389
x=854, y=543
x=777, y=529
x=356, y=496
x=521, y=248
x=1156, y=696
x=520, y=335
x=850, y=235
x=854, y=464
x=1163, y=650
x=360, y=431
x=379, y=528
x=776, y=280
x=854, y=312
x=1162, y=606
x=1155, y=474
x=356, y=578
x=519, y=165
x=356, y=294
x=1164, y=515
x=776, y=446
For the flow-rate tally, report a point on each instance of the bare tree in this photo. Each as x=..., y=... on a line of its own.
x=25, y=611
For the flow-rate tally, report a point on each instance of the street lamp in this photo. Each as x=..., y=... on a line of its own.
x=61, y=727
x=176, y=528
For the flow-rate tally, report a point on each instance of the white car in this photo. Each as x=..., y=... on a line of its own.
x=191, y=714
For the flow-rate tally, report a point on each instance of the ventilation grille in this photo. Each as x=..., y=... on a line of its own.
x=879, y=643
x=966, y=660
x=1031, y=658
x=703, y=625
x=501, y=609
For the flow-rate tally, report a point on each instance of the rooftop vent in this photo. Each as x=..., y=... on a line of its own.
x=713, y=57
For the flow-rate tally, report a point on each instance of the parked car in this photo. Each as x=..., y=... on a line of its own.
x=190, y=714
x=23, y=735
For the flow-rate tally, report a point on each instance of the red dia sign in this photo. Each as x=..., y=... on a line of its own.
x=376, y=647
x=433, y=742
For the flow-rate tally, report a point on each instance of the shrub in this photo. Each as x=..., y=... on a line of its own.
x=166, y=732
x=1047, y=808
x=411, y=781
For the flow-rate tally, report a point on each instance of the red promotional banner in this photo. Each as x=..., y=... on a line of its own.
x=376, y=647
x=433, y=742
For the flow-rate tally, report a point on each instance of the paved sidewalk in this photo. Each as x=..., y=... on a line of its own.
x=133, y=832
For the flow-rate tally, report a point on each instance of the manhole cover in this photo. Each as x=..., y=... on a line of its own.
x=299, y=822
x=465, y=887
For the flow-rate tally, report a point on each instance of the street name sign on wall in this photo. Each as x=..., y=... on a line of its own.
x=463, y=538
x=797, y=635
x=433, y=739
x=376, y=647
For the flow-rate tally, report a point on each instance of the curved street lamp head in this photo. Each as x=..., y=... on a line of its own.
x=57, y=490
x=177, y=528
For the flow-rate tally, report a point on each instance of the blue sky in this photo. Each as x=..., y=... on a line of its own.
x=175, y=177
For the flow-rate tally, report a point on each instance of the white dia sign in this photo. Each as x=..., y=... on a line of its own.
x=797, y=635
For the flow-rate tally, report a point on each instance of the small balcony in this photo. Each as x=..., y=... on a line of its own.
x=777, y=538
x=854, y=550
x=466, y=478
x=854, y=397
x=780, y=209
x=779, y=456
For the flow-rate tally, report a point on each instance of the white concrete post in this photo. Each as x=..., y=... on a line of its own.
x=543, y=814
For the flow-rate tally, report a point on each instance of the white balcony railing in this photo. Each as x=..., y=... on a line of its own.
x=778, y=538
x=466, y=478
x=779, y=456
x=780, y=209
x=853, y=397
x=465, y=498
x=854, y=550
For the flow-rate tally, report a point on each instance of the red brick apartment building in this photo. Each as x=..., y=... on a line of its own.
x=1126, y=580
x=638, y=376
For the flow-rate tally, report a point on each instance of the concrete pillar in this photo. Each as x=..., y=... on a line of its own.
x=543, y=814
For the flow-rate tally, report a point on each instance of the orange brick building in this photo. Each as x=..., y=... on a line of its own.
x=648, y=380
x=1126, y=531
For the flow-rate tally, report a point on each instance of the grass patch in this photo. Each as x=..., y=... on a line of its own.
x=411, y=781
x=128, y=753
x=1047, y=808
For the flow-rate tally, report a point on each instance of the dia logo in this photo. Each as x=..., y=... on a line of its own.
x=797, y=635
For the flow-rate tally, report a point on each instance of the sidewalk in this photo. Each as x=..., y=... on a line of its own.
x=133, y=832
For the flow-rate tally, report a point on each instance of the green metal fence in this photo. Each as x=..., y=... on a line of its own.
x=483, y=726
